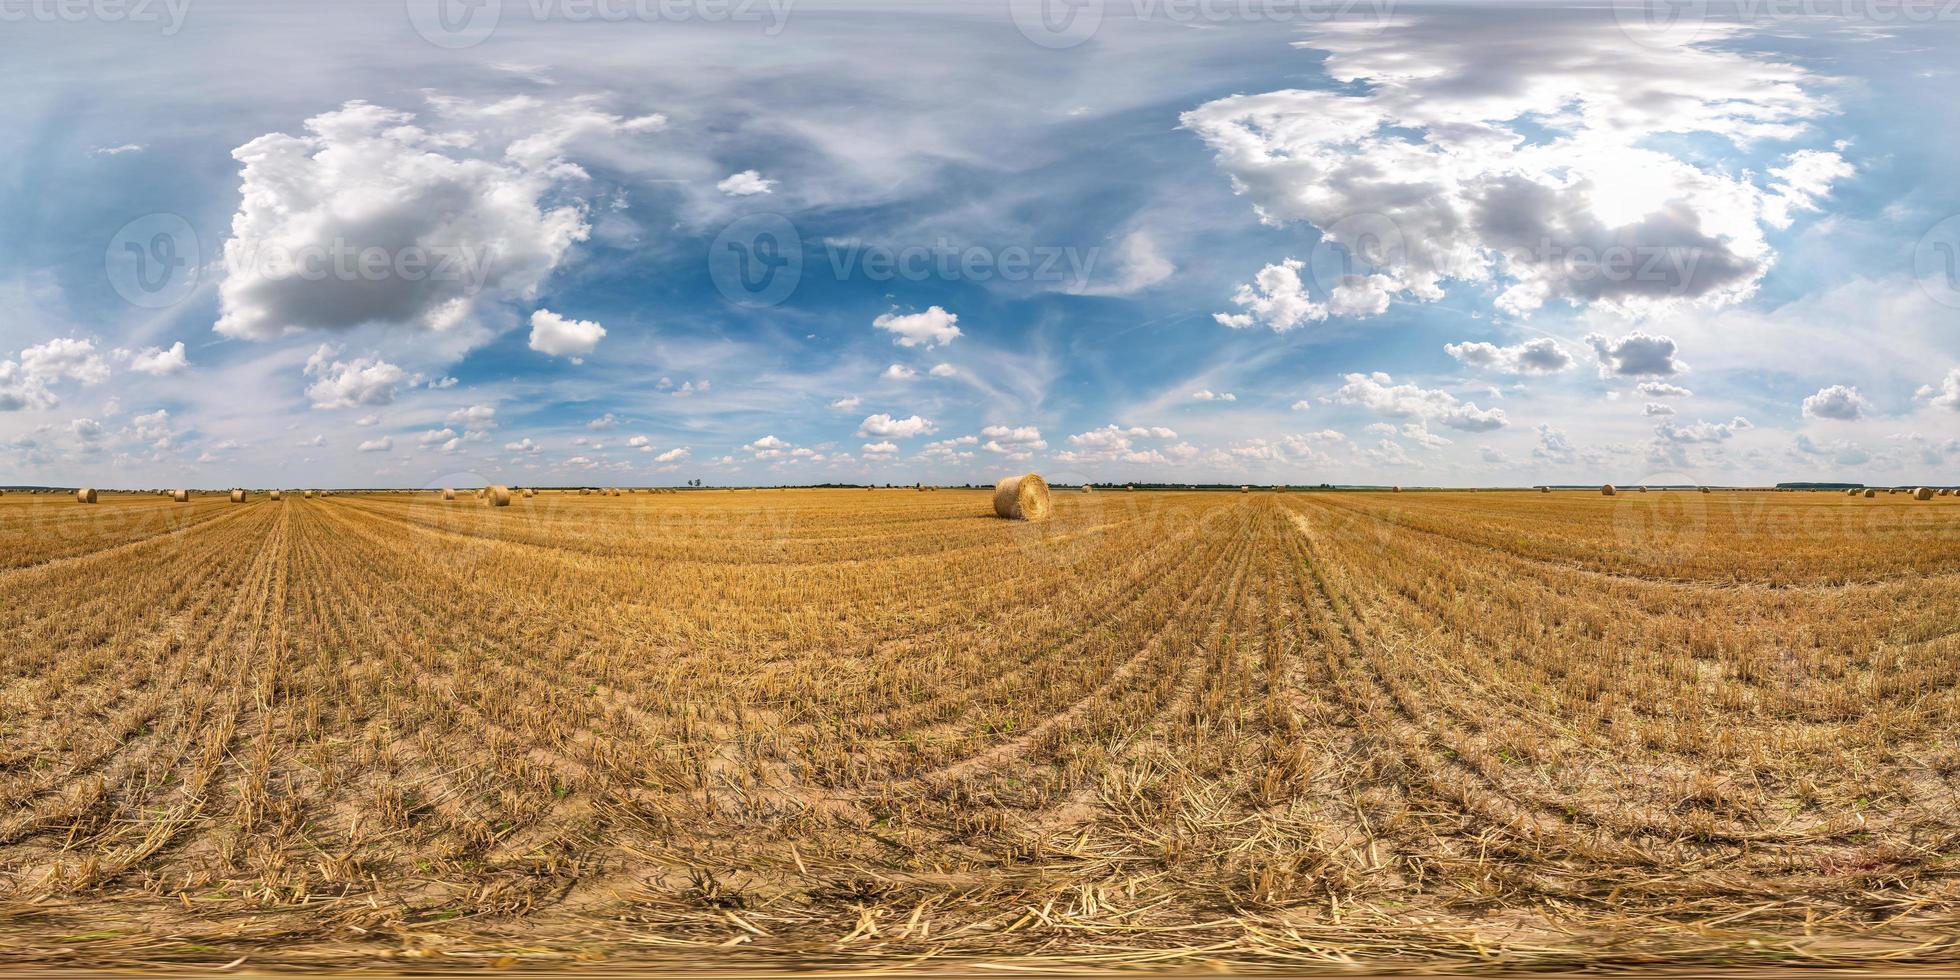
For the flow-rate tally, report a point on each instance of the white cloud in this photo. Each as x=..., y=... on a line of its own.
x=672, y=455
x=1661, y=389
x=456, y=216
x=156, y=360
x=65, y=357
x=1946, y=394
x=1805, y=176
x=1635, y=354
x=1553, y=446
x=20, y=390
x=1207, y=395
x=1278, y=299
x=1015, y=442
x=475, y=417
x=381, y=445
x=603, y=422
x=1656, y=409
x=878, y=448
x=1485, y=148
x=524, y=445
x=848, y=403
x=1302, y=405
x=116, y=151
x=554, y=335
x=1380, y=394
x=942, y=371
x=1540, y=356
x=933, y=328
x=1139, y=266
x=899, y=372
x=368, y=420
x=1703, y=432
x=640, y=442
x=884, y=426
x=744, y=184
x=1835, y=402
x=345, y=384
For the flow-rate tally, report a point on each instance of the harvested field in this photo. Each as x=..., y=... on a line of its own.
x=1426, y=730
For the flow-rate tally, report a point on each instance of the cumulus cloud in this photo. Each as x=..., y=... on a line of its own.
x=1835, y=402
x=345, y=384
x=1015, y=442
x=933, y=328
x=603, y=422
x=1553, y=446
x=21, y=390
x=899, y=372
x=65, y=357
x=156, y=360
x=848, y=403
x=1945, y=394
x=1703, y=431
x=1380, y=394
x=474, y=417
x=879, y=448
x=942, y=371
x=1116, y=442
x=381, y=445
x=1138, y=265
x=744, y=184
x=674, y=455
x=1661, y=389
x=1635, y=354
x=554, y=335
x=1470, y=146
x=524, y=445
x=368, y=217
x=1540, y=356
x=1656, y=409
x=1207, y=395
x=1278, y=299
x=884, y=426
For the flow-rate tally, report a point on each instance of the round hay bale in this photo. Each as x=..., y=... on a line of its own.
x=528, y=492
x=85, y=495
x=181, y=496
x=306, y=495
x=275, y=495
x=1853, y=492
x=1946, y=492
x=448, y=493
x=496, y=495
x=1022, y=498
x=238, y=496
x=1395, y=489
x=1607, y=490
x=1544, y=489
x=1131, y=488
x=1870, y=493
x=1088, y=489
x=1923, y=493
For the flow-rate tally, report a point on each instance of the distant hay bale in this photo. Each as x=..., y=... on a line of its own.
x=1088, y=489
x=1607, y=490
x=1544, y=489
x=306, y=495
x=181, y=496
x=496, y=495
x=85, y=495
x=1022, y=498
x=528, y=492
x=1853, y=492
x=1132, y=488
x=448, y=493
x=274, y=495
x=1395, y=489
x=238, y=496
x=1245, y=489
x=1946, y=492
x=1923, y=493
x=1870, y=493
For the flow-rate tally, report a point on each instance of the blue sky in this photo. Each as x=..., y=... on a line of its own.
x=1240, y=241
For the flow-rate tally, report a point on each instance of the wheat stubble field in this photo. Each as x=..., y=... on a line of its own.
x=1346, y=730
